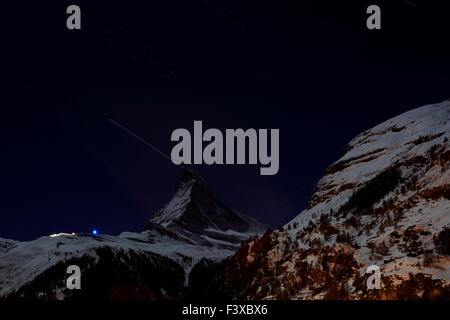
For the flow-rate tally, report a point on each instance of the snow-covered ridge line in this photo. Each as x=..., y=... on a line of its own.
x=192, y=226
x=386, y=202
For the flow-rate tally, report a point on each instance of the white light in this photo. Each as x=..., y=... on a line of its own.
x=59, y=234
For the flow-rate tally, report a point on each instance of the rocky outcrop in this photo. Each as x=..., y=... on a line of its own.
x=384, y=203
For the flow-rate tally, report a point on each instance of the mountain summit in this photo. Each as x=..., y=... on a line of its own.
x=195, y=213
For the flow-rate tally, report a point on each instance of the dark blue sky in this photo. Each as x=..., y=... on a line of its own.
x=311, y=69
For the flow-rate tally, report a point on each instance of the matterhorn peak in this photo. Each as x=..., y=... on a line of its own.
x=193, y=211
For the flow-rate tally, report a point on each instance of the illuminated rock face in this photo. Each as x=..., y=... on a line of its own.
x=386, y=202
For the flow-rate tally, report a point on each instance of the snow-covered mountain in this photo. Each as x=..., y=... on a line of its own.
x=385, y=202
x=195, y=214
x=152, y=264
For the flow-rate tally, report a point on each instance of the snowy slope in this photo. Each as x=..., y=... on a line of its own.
x=23, y=261
x=191, y=227
x=394, y=142
x=377, y=149
x=386, y=201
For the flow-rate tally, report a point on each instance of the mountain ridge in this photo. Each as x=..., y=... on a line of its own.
x=385, y=202
x=35, y=269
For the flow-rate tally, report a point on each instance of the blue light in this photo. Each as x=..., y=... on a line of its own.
x=94, y=232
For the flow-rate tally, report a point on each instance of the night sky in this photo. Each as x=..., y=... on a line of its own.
x=310, y=68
